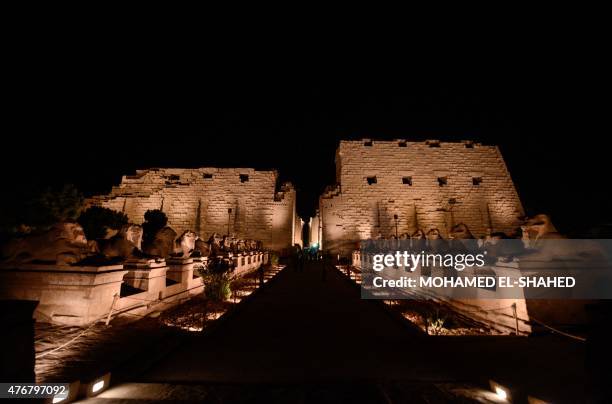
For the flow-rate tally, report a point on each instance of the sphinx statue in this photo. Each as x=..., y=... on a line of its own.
x=163, y=243
x=540, y=227
x=435, y=241
x=537, y=238
x=461, y=232
x=418, y=241
x=201, y=248
x=64, y=244
x=226, y=244
x=215, y=244
x=186, y=243
x=125, y=244
x=462, y=239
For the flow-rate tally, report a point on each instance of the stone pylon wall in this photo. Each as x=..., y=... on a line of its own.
x=426, y=184
x=314, y=230
x=297, y=231
x=199, y=199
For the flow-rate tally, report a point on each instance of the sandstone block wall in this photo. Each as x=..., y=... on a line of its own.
x=199, y=199
x=427, y=185
x=298, y=228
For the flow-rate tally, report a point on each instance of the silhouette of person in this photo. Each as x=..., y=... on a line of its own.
x=300, y=260
x=327, y=261
x=261, y=276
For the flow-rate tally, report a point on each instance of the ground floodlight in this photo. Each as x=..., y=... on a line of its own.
x=502, y=392
x=96, y=386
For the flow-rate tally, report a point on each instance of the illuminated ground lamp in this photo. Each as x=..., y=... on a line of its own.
x=71, y=395
x=503, y=393
x=95, y=386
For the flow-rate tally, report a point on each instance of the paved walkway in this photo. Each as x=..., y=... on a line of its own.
x=301, y=330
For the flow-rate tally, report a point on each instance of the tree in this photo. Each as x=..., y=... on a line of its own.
x=43, y=209
x=97, y=219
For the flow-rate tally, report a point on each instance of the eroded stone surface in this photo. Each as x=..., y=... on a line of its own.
x=428, y=185
x=241, y=201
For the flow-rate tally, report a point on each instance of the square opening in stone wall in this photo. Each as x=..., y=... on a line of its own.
x=402, y=143
x=371, y=180
x=469, y=145
x=407, y=181
x=174, y=177
x=244, y=177
x=442, y=181
x=433, y=143
x=368, y=143
x=207, y=176
x=476, y=181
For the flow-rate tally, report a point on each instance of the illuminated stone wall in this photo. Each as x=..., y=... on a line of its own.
x=426, y=184
x=314, y=230
x=297, y=231
x=199, y=199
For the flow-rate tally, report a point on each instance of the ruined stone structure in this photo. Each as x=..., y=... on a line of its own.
x=387, y=185
x=298, y=228
x=314, y=230
x=243, y=201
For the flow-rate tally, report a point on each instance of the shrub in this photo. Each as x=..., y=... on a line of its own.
x=274, y=259
x=217, y=282
x=435, y=323
x=40, y=210
x=217, y=287
x=155, y=220
x=96, y=220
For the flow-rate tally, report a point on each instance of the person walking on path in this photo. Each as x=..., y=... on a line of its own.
x=325, y=264
x=261, y=273
x=300, y=260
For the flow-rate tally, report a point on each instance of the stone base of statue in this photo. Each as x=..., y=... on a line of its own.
x=67, y=294
x=180, y=269
x=146, y=274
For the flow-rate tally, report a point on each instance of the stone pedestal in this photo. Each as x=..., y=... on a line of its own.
x=73, y=295
x=246, y=262
x=199, y=263
x=147, y=275
x=567, y=307
x=180, y=269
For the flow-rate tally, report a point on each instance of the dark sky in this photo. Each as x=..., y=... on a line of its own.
x=88, y=127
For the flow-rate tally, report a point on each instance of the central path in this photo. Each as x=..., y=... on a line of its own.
x=303, y=326
x=306, y=337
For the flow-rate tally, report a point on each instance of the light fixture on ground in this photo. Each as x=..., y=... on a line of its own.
x=500, y=391
x=95, y=386
x=69, y=396
x=99, y=385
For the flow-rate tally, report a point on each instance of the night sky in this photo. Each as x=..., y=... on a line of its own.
x=89, y=129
